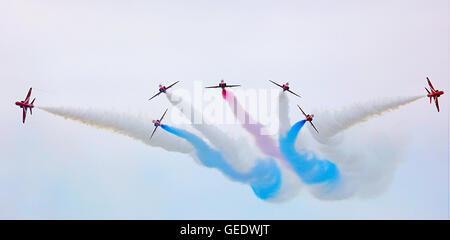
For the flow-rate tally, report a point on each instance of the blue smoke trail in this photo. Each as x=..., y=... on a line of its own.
x=264, y=177
x=310, y=170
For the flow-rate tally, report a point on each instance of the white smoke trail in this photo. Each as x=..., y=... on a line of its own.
x=283, y=114
x=367, y=164
x=366, y=160
x=333, y=122
x=136, y=127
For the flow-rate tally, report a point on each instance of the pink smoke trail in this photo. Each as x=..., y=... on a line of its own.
x=265, y=143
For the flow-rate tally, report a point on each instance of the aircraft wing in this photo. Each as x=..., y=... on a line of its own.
x=214, y=87
x=233, y=85
x=164, y=114
x=301, y=110
x=27, y=98
x=431, y=85
x=24, y=110
x=276, y=83
x=437, y=103
x=172, y=84
x=294, y=93
x=155, y=95
x=154, y=130
x=314, y=127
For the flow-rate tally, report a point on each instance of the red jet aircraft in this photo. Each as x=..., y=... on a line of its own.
x=163, y=89
x=434, y=94
x=309, y=118
x=25, y=104
x=285, y=87
x=157, y=123
x=223, y=85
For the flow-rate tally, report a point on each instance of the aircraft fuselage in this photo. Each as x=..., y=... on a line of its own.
x=437, y=93
x=157, y=123
x=163, y=89
x=24, y=105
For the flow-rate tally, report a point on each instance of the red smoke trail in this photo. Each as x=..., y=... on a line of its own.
x=264, y=142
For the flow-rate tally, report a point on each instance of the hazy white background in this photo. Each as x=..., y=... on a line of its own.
x=112, y=55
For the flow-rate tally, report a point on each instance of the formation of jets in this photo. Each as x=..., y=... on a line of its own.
x=26, y=104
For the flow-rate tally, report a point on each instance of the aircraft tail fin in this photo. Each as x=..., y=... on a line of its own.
x=33, y=101
x=24, y=114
